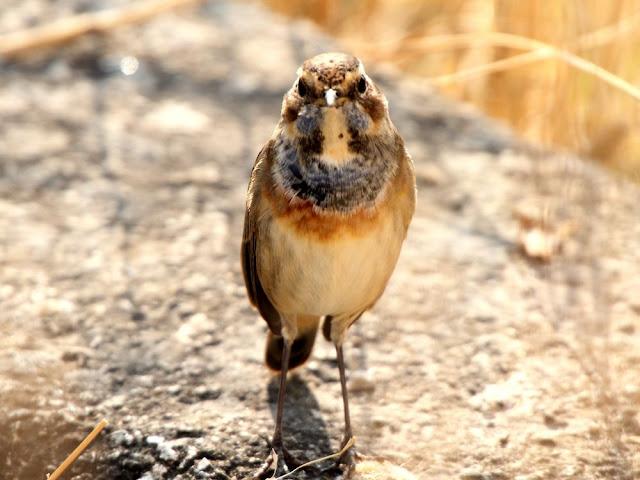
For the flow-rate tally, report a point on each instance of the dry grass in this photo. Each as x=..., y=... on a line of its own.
x=576, y=85
x=67, y=29
x=73, y=456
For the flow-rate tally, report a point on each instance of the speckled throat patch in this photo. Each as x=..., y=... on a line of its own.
x=341, y=189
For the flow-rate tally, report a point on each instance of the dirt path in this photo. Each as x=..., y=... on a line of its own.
x=121, y=202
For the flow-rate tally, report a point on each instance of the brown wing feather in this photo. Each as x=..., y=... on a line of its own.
x=256, y=293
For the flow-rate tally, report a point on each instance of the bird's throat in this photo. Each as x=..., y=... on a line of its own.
x=356, y=182
x=335, y=134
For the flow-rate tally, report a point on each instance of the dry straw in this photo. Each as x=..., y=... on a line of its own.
x=68, y=29
x=73, y=456
x=538, y=51
x=561, y=73
x=348, y=445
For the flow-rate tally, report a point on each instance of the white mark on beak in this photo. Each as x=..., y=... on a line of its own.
x=330, y=96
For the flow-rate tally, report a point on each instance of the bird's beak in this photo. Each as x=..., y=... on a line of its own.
x=330, y=96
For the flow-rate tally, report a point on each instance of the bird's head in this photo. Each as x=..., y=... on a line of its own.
x=333, y=105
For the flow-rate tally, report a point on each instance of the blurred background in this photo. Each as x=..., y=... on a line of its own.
x=546, y=97
x=564, y=74
x=128, y=129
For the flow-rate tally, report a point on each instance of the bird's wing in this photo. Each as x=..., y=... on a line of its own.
x=249, y=249
x=407, y=182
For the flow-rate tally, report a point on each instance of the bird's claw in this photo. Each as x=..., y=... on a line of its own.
x=347, y=461
x=279, y=459
x=270, y=465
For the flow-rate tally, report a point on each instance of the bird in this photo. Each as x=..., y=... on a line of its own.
x=329, y=202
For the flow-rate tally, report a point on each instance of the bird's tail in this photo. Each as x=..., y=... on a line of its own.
x=301, y=348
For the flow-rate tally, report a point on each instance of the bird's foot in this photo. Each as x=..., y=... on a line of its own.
x=345, y=465
x=347, y=461
x=279, y=460
x=269, y=466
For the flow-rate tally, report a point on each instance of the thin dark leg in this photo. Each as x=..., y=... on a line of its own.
x=286, y=353
x=276, y=442
x=345, y=396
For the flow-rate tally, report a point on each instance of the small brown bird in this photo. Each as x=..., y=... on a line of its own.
x=329, y=203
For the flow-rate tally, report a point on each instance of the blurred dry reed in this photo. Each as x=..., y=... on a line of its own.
x=69, y=28
x=563, y=73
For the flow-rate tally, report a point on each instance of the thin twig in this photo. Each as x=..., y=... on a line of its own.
x=599, y=72
x=543, y=53
x=594, y=39
x=318, y=460
x=494, y=67
x=608, y=33
x=67, y=29
x=455, y=40
x=73, y=456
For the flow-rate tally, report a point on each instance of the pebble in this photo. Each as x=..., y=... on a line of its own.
x=122, y=438
x=546, y=440
x=203, y=464
x=154, y=440
x=174, y=389
x=473, y=474
x=115, y=402
x=167, y=453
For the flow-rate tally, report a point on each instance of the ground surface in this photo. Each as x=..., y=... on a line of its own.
x=121, y=203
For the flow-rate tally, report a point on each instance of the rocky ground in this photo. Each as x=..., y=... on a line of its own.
x=121, y=205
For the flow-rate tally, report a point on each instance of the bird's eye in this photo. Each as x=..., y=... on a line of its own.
x=302, y=88
x=362, y=85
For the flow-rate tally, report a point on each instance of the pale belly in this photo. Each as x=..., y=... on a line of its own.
x=342, y=276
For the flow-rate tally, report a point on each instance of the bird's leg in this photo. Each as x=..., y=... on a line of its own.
x=345, y=396
x=277, y=447
x=277, y=434
x=347, y=457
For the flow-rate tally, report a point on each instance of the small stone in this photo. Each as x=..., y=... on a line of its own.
x=187, y=457
x=473, y=474
x=154, y=440
x=167, y=453
x=69, y=356
x=174, y=389
x=116, y=402
x=552, y=422
x=138, y=316
x=203, y=464
x=202, y=392
x=196, y=326
x=145, y=380
x=379, y=421
x=122, y=438
x=546, y=440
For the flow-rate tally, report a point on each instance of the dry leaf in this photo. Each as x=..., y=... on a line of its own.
x=540, y=235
